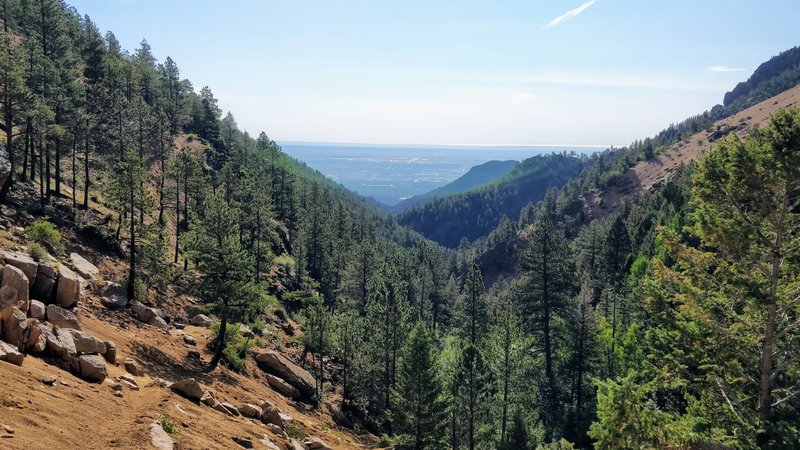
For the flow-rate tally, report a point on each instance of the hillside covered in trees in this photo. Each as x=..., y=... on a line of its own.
x=505, y=317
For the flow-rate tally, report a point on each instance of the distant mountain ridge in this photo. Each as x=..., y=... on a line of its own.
x=475, y=176
x=778, y=74
x=475, y=213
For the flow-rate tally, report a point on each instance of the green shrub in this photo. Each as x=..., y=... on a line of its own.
x=258, y=326
x=385, y=441
x=296, y=433
x=45, y=234
x=280, y=313
x=167, y=424
x=236, y=346
x=37, y=252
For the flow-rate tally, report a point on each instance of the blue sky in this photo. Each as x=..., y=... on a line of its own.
x=458, y=72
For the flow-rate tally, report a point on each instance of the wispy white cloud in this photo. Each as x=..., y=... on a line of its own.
x=724, y=69
x=522, y=97
x=570, y=14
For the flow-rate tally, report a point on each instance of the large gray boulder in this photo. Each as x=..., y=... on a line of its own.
x=15, y=326
x=271, y=414
x=315, y=443
x=63, y=318
x=10, y=354
x=190, y=389
x=251, y=411
x=92, y=368
x=282, y=387
x=148, y=315
x=37, y=310
x=15, y=278
x=114, y=296
x=276, y=364
x=202, y=320
x=83, y=266
x=24, y=263
x=86, y=343
x=58, y=342
x=68, y=291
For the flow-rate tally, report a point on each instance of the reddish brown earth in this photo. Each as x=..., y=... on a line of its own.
x=647, y=176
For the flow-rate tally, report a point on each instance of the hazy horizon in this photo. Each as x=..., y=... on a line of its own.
x=474, y=73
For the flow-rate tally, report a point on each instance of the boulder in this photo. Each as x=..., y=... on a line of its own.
x=68, y=290
x=8, y=297
x=24, y=263
x=282, y=387
x=133, y=367
x=10, y=354
x=277, y=431
x=314, y=443
x=159, y=438
x=83, y=267
x=92, y=368
x=202, y=320
x=294, y=444
x=245, y=331
x=142, y=312
x=278, y=365
x=114, y=296
x=14, y=327
x=266, y=442
x=271, y=414
x=189, y=340
x=159, y=323
x=45, y=283
x=37, y=310
x=129, y=381
x=251, y=411
x=86, y=343
x=110, y=355
x=189, y=388
x=14, y=278
x=63, y=318
x=228, y=408
x=58, y=342
x=34, y=341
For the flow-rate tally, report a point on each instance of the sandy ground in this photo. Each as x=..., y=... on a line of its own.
x=647, y=176
x=74, y=414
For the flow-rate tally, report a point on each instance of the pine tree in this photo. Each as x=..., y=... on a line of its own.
x=418, y=411
x=227, y=282
x=545, y=294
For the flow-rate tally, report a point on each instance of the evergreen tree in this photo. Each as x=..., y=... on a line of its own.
x=418, y=411
x=227, y=282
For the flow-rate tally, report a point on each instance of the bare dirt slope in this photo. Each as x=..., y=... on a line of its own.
x=647, y=176
x=72, y=413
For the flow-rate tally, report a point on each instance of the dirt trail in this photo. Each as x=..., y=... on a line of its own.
x=647, y=176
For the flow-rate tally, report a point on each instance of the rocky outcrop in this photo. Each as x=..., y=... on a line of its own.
x=276, y=364
x=83, y=266
x=92, y=368
x=68, y=290
x=15, y=326
x=63, y=318
x=282, y=387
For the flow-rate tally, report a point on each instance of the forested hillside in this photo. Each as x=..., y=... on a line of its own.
x=474, y=213
x=475, y=176
x=780, y=73
x=671, y=322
